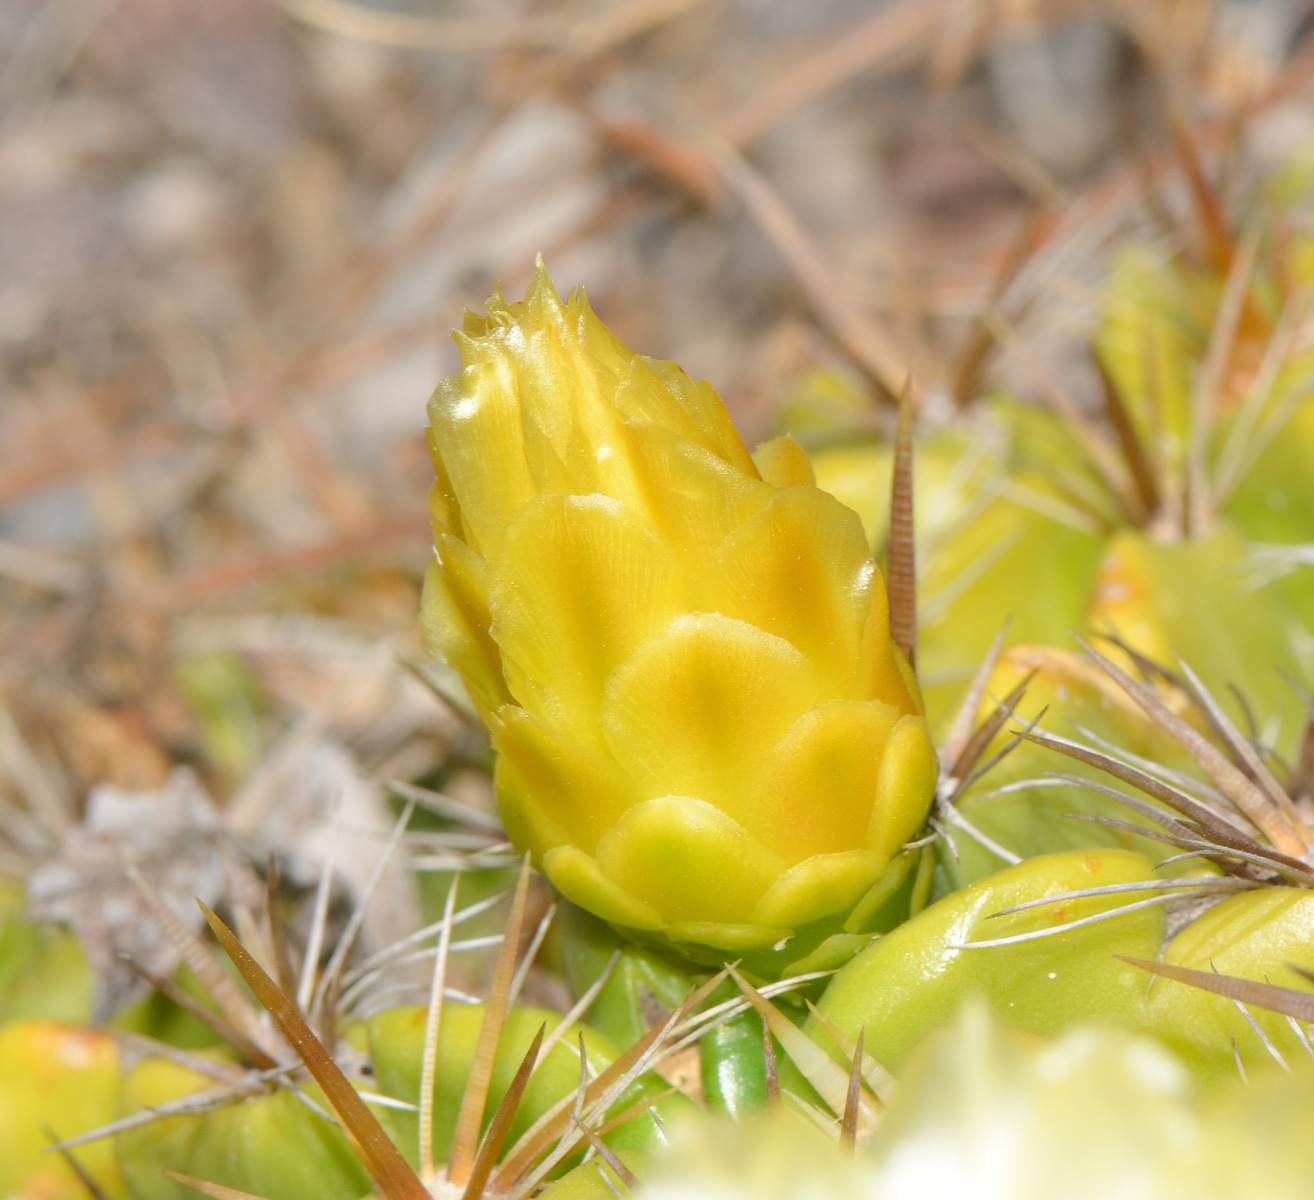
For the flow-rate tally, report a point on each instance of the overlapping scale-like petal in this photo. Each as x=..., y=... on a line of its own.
x=580, y=584
x=800, y=569
x=698, y=708
x=818, y=788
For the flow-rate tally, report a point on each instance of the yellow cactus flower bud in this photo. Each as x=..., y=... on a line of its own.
x=705, y=734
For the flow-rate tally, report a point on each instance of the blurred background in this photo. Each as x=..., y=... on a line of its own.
x=234, y=235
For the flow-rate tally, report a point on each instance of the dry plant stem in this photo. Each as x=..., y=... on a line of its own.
x=1247, y=796
x=574, y=40
x=676, y=159
x=327, y=994
x=866, y=342
x=1204, y=397
x=600, y=32
x=1144, y=499
x=1288, y=1001
x=964, y=723
x=1218, y=236
x=879, y=1080
x=287, y=975
x=475, y=35
x=830, y=1080
x=43, y=798
x=1250, y=761
x=89, y=1184
x=219, y=1071
x=248, y=1049
x=895, y=37
x=384, y=1162
x=501, y=1123
x=772, y=1072
x=980, y=340
x=963, y=767
x=413, y=32
x=466, y=1137
x=605, y=1152
x=218, y=1190
x=852, y=1102
x=539, y=1137
x=209, y=582
x=901, y=555
x=429, y=1064
x=234, y=1006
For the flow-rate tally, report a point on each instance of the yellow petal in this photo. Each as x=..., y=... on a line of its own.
x=643, y=398
x=784, y=463
x=580, y=793
x=697, y=710
x=580, y=583
x=702, y=403
x=883, y=672
x=688, y=860
x=577, y=877
x=444, y=510
x=611, y=354
x=818, y=887
x=527, y=823
x=454, y=622
x=906, y=787
x=572, y=430
x=834, y=952
x=819, y=787
x=799, y=569
x=732, y=939
x=476, y=422
x=692, y=497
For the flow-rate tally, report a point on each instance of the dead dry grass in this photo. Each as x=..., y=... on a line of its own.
x=234, y=234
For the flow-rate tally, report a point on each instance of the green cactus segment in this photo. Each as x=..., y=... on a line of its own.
x=642, y=982
x=271, y=1145
x=997, y=541
x=227, y=701
x=1097, y=1113
x=1090, y=1115
x=914, y=979
x=1256, y=935
x=161, y=1017
x=44, y=971
x=1155, y=329
x=61, y=1079
x=1274, y=501
x=1205, y=601
x=396, y=1041
x=595, y=1180
x=734, y=1066
x=1030, y=820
